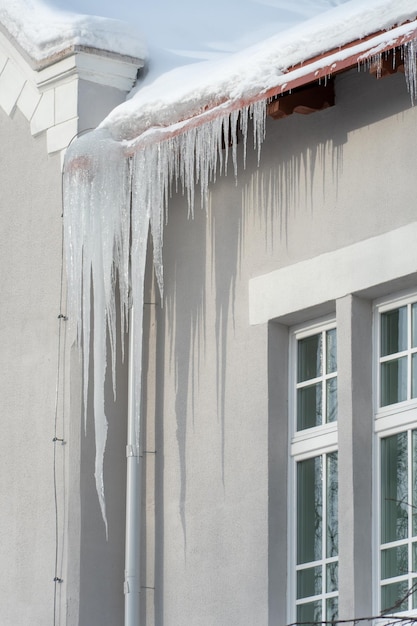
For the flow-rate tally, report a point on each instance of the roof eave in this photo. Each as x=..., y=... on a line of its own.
x=361, y=50
x=322, y=67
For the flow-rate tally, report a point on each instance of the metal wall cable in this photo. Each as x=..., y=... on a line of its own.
x=59, y=422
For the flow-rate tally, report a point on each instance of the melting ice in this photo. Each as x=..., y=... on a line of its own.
x=111, y=202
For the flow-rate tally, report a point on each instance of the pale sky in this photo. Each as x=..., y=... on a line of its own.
x=197, y=29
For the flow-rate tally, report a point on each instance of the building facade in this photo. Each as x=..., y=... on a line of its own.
x=279, y=373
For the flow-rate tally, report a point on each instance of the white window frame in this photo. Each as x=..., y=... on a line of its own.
x=390, y=420
x=305, y=444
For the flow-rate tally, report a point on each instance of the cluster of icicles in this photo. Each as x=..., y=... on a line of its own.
x=112, y=200
x=406, y=56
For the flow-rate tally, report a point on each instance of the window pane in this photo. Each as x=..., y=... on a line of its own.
x=414, y=325
x=309, y=582
x=309, y=612
x=394, y=488
x=394, y=597
x=332, y=499
x=331, y=351
x=309, y=358
x=332, y=582
x=414, y=483
x=309, y=407
x=331, y=400
x=394, y=331
x=309, y=510
x=394, y=561
x=414, y=375
x=394, y=381
x=332, y=609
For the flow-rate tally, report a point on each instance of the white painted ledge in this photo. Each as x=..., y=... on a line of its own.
x=332, y=275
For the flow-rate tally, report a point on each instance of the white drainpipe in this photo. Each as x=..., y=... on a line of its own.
x=133, y=499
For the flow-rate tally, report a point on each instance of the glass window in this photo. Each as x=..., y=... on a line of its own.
x=398, y=514
x=317, y=538
x=315, y=486
x=397, y=440
x=316, y=379
x=398, y=354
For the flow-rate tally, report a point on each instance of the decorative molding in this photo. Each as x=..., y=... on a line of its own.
x=47, y=93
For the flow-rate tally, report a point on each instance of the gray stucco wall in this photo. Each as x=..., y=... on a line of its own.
x=91, y=567
x=327, y=180
x=30, y=204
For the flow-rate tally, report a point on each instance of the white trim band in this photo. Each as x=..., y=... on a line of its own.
x=332, y=275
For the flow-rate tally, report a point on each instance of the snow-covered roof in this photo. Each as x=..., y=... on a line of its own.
x=176, y=86
x=45, y=32
x=235, y=80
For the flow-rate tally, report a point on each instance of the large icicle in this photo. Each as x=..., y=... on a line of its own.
x=96, y=222
x=410, y=68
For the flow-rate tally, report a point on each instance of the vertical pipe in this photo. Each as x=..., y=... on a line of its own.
x=133, y=497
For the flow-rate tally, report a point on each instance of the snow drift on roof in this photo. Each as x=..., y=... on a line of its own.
x=43, y=31
x=189, y=90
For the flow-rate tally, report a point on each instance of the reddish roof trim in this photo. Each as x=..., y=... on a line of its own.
x=338, y=66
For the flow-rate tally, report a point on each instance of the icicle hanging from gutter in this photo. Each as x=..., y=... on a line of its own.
x=410, y=67
x=111, y=201
x=97, y=229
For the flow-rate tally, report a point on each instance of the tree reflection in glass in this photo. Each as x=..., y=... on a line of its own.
x=317, y=536
x=309, y=510
x=317, y=379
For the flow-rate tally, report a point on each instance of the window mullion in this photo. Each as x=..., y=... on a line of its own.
x=393, y=356
x=309, y=382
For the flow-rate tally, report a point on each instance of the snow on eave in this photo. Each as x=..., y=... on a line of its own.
x=44, y=36
x=322, y=67
x=259, y=73
x=348, y=56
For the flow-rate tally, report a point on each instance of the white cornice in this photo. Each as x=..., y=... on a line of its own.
x=48, y=95
x=91, y=66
